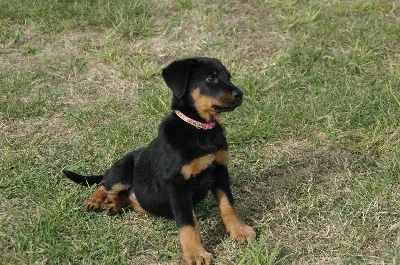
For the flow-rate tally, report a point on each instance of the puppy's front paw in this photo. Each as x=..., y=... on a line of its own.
x=242, y=232
x=193, y=251
x=200, y=257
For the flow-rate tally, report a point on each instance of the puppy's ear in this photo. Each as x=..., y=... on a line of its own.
x=177, y=75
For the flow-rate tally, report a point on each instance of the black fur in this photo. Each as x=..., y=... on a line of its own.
x=84, y=180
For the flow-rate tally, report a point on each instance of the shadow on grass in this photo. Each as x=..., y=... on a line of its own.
x=286, y=171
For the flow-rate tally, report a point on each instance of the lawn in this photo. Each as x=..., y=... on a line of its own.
x=314, y=149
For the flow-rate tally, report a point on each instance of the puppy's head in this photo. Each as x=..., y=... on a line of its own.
x=201, y=87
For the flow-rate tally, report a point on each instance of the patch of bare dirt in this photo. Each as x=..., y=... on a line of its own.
x=98, y=82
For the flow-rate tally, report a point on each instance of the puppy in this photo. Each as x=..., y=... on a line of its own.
x=183, y=163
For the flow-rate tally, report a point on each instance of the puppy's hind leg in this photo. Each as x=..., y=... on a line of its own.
x=96, y=201
x=115, y=198
x=118, y=181
x=112, y=199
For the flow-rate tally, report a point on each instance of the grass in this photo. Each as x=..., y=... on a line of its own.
x=315, y=159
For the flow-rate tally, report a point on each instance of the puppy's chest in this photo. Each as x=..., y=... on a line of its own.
x=199, y=164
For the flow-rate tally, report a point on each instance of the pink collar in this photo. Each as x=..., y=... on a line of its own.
x=197, y=124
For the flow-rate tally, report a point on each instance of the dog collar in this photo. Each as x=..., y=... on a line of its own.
x=197, y=124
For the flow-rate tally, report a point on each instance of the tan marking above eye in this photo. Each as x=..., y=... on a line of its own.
x=197, y=165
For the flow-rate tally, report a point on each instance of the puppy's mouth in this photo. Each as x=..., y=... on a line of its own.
x=226, y=108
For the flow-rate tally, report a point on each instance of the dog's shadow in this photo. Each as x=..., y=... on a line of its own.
x=283, y=173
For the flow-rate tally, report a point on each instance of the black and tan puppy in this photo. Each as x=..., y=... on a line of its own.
x=183, y=163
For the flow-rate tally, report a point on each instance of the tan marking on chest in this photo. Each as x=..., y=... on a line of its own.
x=197, y=165
x=221, y=157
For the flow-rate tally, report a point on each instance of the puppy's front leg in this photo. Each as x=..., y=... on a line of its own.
x=236, y=228
x=189, y=229
x=193, y=250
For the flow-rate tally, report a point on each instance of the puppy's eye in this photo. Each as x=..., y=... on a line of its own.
x=212, y=79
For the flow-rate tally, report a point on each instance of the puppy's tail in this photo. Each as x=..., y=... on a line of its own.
x=83, y=180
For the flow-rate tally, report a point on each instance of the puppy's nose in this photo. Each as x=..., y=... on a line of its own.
x=237, y=94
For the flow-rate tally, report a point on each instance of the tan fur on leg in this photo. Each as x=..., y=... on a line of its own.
x=230, y=217
x=96, y=201
x=193, y=250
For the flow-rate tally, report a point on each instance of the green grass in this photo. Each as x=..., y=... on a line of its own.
x=128, y=18
x=315, y=160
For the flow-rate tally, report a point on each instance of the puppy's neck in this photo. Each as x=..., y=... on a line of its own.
x=195, y=123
